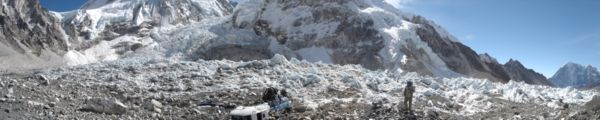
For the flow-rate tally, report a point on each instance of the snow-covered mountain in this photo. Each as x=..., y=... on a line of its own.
x=107, y=29
x=371, y=33
x=520, y=73
x=29, y=36
x=104, y=19
x=576, y=75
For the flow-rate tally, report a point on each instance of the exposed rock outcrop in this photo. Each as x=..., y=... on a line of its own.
x=518, y=72
x=30, y=36
x=26, y=27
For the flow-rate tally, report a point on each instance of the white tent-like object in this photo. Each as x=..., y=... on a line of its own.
x=258, y=112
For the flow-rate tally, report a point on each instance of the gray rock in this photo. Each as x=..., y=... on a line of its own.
x=44, y=81
x=52, y=104
x=104, y=105
x=593, y=104
x=27, y=27
x=27, y=32
x=153, y=105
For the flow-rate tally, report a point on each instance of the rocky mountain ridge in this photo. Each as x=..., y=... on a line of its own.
x=518, y=72
x=29, y=36
x=371, y=33
x=577, y=76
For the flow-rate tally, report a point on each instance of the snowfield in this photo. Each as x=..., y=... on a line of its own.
x=319, y=91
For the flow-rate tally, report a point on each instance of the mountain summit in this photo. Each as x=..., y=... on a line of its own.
x=576, y=75
x=518, y=72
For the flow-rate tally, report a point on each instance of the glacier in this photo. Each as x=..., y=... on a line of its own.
x=314, y=87
x=185, y=37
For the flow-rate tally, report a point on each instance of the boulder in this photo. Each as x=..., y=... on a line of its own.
x=593, y=104
x=44, y=80
x=153, y=105
x=104, y=105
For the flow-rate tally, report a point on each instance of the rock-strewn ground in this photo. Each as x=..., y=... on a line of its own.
x=164, y=89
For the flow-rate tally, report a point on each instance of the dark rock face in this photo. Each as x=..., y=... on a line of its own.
x=352, y=30
x=27, y=28
x=518, y=72
x=236, y=53
x=457, y=56
x=577, y=76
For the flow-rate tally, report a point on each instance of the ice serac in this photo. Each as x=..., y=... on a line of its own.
x=30, y=36
x=577, y=76
x=106, y=19
x=106, y=29
x=371, y=33
x=520, y=73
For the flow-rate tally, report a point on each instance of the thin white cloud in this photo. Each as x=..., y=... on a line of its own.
x=470, y=37
x=587, y=39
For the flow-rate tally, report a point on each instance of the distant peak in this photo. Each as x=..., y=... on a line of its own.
x=487, y=58
x=590, y=67
x=577, y=75
x=485, y=54
x=514, y=62
x=573, y=65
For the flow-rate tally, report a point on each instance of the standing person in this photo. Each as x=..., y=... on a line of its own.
x=408, y=95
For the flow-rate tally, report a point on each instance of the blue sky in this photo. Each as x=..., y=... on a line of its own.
x=62, y=5
x=542, y=34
